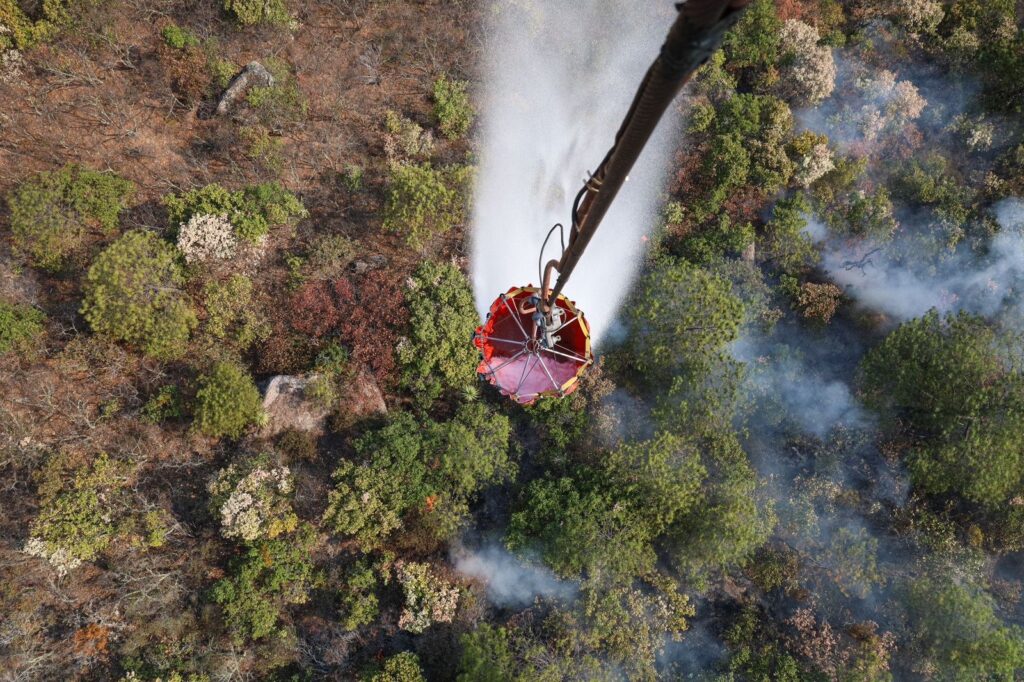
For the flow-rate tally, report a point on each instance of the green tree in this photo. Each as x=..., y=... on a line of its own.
x=249, y=12
x=359, y=604
x=231, y=313
x=629, y=625
x=403, y=667
x=486, y=655
x=252, y=210
x=261, y=582
x=716, y=242
x=469, y=451
x=20, y=327
x=436, y=356
x=452, y=108
x=764, y=124
x=784, y=241
x=423, y=201
x=133, y=293
x=178, y=38
x=752, y=47
x=370, y=497
x=748, y=135
x=227, y=401
x=727, y=166
x=955, y=627
x=435, y=467
x=578, y=527
x=77, y=511
x=22, y=33
x=949, y=380
x=678, y=318
x=661, y=477
x=730, y=522
x=53, y=212
x=756, y=656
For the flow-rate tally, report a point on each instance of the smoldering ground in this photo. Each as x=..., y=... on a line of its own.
x=894, y=279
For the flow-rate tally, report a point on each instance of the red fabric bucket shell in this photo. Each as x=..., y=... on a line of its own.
x=522, y=369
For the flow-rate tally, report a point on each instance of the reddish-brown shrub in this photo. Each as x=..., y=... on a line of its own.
x=187, y=73
x=318, y=307
x=367, y=319
x=372, y=325
x=91, y=642
x=790, y=9
x=819, y=301
x=284, y=351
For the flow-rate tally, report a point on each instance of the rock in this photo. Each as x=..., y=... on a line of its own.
x=371, y=263
x=361, y=397
x=288, y=407
x=734, y=590
x=254, y=74
x=750, y=253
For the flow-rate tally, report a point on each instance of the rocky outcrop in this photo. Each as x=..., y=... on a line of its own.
x=254, y=74
x=362, y=397
x=288, y=407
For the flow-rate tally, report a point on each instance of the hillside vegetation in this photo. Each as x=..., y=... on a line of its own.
x=240, y=433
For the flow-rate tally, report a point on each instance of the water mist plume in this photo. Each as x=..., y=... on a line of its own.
x=558, y=81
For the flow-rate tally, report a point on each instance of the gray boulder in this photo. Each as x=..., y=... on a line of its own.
x=254, y=74
x=288, y=407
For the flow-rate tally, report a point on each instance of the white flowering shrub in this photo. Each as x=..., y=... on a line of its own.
x=808, y=70
x=814, y=165
x=406, y=140
x=905, y=104
x=428, y=599
x=60, y=558
x=981, y=136
x=11, y=65
x=977, y=133
x=207, y=237
x=891, y=104
x=254, y=501
x=812, y=158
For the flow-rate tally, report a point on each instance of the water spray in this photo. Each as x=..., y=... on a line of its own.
x=535, y=342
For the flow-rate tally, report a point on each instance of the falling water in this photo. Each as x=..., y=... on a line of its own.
x=558, y=80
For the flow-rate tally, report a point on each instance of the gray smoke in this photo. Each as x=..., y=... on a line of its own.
x=799, y=381
x=559, y=77
x=889, y=279
x=511, y=582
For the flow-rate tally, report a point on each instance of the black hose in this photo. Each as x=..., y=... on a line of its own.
x=696, y=33
x=540, y=258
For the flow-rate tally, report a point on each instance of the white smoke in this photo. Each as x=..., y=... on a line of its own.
x=803, y=378
x=559, y=77
x=883, y=279
x=510, y=580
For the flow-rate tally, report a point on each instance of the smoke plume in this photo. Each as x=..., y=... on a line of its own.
x=510, y=581
x=890, y=280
